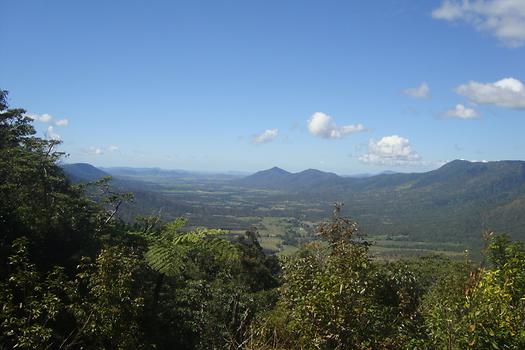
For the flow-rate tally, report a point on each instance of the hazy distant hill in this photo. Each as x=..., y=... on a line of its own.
x=83, y=172
x=279, y=179
x=128, y=171
x=455, y=202
x=362, y=175
x=315, y=181
x=458, y=174
x=156, y=174
x=148, y=200
x=271, y=178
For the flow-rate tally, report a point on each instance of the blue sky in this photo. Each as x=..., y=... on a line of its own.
x=343, y=86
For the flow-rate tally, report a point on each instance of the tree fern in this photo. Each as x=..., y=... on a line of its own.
x=169, y=250
x=165, y=259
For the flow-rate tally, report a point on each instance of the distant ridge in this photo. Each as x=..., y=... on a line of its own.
x=457, y=201
x=146, y=198
x=453, y=203
x=453, y=173
x=309, y=180
x=270, y=178
x=129, y=172
x=277, y=178
x=83, y=172
x=362, y=175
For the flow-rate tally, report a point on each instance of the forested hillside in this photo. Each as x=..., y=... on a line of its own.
x=74, y=275
x=83, y=172
x=453, y=204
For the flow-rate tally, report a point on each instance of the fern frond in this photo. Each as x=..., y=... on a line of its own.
x=222, y=248
x=166, y=259
x=175, y=225
x=169, y=252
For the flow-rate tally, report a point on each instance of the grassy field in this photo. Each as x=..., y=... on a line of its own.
x=273, y=231
x=284, y=222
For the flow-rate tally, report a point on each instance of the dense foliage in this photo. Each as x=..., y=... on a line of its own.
x=74, y=276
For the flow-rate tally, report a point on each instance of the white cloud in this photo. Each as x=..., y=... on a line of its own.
x=95, y=151
x=266, y=136
x=508, y=92
x=113, y=148
x=504, y=19
x=62, y=122
x=51, y=134
x=48, y=118
x=462, y=112
x=390, y=150
x=422, y=91
x=44, y=118
x=321, y=125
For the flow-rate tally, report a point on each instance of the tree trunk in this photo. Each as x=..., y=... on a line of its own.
x=156, y=291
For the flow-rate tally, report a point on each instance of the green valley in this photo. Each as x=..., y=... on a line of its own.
x=446, y=210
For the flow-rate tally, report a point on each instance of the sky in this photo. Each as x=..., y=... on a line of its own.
x=342, y=86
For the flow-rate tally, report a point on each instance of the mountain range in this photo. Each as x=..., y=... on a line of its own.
x=458, y=173
x=277, y=178
x=458, y=201
x=455, y=202
x=83, y=172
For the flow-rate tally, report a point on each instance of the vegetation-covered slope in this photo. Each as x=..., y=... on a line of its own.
x=455, y=202
x=83, y=172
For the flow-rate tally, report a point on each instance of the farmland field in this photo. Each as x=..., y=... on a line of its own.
x=284, y=222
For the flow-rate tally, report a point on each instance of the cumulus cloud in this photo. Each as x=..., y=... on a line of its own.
x=422, y=91
x=504, y=19
x=461, y=112
x=48, y=118
x=51, y=134
x=44, y=118
x=95, y=151
x=322, y=125
x=113, y=148
x=390, y=150
x=266, y=136
x=508, y=92
x=62, y=122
